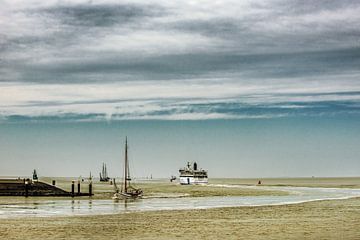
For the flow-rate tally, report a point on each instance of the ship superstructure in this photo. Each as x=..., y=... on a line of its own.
x=192, y=175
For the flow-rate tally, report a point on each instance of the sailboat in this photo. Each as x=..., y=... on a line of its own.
x=104, y=175
x=127, y=191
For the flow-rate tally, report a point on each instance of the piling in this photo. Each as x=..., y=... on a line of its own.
x=26, y=188
x=72, y=188
x=78, y=187
x=90, y=189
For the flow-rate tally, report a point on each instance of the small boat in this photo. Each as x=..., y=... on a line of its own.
x=127, y=190
x=104, y=175
x=35, y=176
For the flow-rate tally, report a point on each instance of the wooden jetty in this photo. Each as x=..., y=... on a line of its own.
x=27, y=187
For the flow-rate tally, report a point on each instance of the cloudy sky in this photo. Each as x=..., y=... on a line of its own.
x=94, y=62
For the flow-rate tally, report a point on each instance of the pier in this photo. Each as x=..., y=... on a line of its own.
x=27, y=187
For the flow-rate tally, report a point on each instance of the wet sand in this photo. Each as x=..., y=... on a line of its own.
x=164, y=188
x=334, y=219
x=330, y=182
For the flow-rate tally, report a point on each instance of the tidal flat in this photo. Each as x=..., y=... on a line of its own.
x=330, y=219
x=165, y=188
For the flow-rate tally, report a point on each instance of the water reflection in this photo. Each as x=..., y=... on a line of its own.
x=42, y=207
x=90, y=204
x=125, y=205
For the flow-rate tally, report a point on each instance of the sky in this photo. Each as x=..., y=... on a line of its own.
x=245, y=88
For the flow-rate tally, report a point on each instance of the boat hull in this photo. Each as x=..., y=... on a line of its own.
x=118, y=196
x=189, y=180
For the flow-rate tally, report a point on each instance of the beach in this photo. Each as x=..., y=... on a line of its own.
x=336, y=219
x=328, y=219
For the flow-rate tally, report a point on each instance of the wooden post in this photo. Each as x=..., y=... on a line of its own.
x=78, y=187
x=72, y=188
x=90, y=189
x=26, y=188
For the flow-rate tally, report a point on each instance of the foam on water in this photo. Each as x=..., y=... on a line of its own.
x=44, y=208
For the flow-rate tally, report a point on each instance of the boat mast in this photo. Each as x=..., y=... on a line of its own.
x=126, y=166
x=103, y=172
x=106, y=173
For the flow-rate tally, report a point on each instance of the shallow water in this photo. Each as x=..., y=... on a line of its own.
x=35, y=207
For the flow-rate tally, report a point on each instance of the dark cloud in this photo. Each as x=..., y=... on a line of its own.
x=299, y=7
x=63, y=30
x=219, y=27
x=189, y=66
x=104, y=15
x=277, y=39
x=281, y=26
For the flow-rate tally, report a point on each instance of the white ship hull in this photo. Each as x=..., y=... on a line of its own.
x=188, y=180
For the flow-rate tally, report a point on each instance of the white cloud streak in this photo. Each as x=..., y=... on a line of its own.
x=170, y=100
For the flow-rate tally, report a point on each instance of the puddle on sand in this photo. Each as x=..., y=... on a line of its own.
x=45, y=208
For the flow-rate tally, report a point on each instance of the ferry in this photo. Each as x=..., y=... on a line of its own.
x=192, y=175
